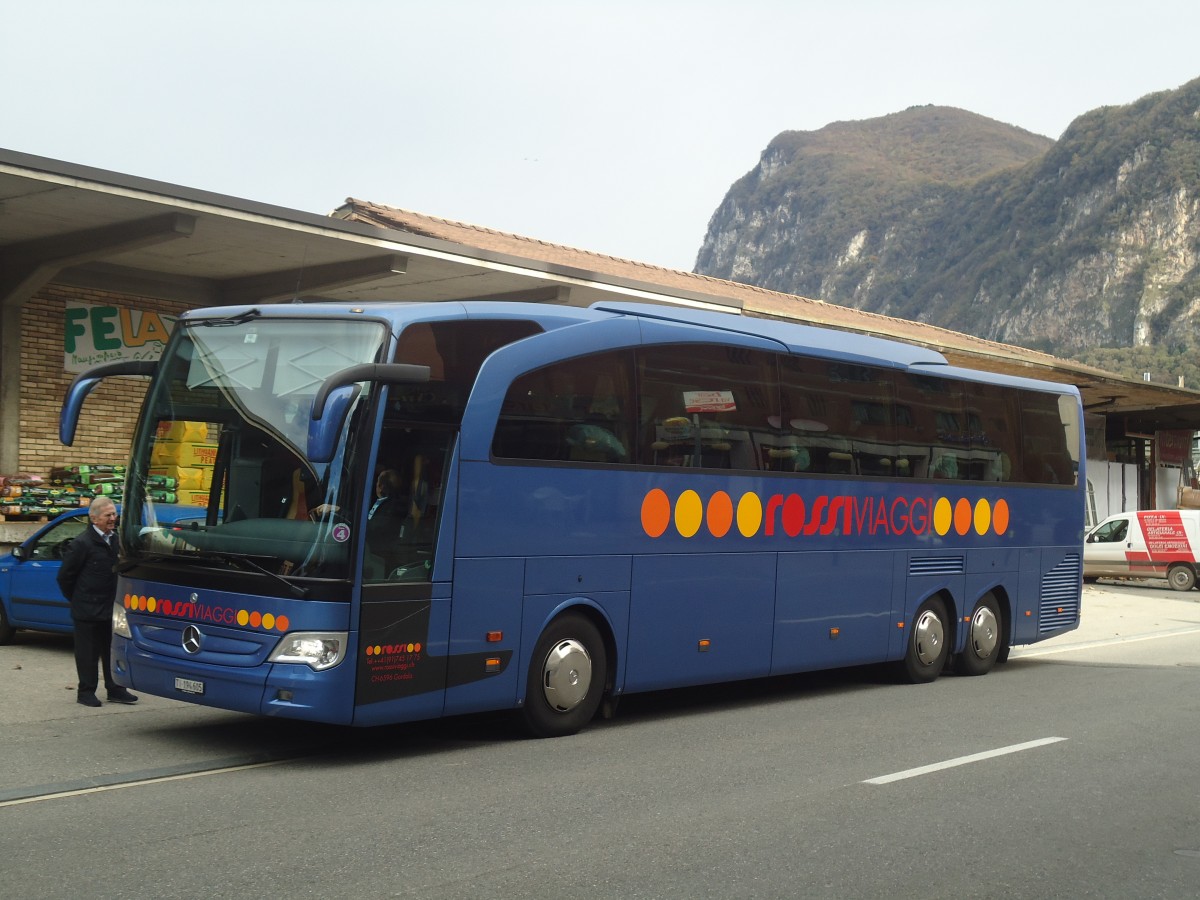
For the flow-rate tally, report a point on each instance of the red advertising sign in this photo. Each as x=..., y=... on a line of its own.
x=708, y=401
x=1164, y=534
x=1174, y=447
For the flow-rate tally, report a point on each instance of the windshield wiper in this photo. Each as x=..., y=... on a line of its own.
x=232, y=559
x=239, y=562
x=239, y=319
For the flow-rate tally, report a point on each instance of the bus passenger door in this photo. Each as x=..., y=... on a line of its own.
x=404, y=619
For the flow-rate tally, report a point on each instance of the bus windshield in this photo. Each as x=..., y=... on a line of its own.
x=226, y=428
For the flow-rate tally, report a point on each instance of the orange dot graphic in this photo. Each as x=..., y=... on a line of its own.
x=720, y=514
x=255, y=618
x=1000, y=517
x=963, y=514
x=282, y=623
x=656, y=512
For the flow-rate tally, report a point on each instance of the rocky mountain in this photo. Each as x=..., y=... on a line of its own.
x=943, y=216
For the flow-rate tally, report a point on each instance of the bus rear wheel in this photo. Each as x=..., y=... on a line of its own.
x=927, y=648
x=1181, y=577
x=984, y=639
x=566, y=677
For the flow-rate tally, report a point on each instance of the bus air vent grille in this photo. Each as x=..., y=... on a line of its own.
x=1060, y=595
x=936, y=565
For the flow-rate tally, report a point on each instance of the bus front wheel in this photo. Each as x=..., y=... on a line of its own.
x=566, y=677
x=926, y=651
x=1181, y=577
x=984, y=639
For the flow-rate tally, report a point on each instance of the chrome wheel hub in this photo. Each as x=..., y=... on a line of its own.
x=985, y=632
x=929, y=638
x=566, y=675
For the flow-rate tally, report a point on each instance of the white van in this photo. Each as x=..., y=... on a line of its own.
x=1150, y=543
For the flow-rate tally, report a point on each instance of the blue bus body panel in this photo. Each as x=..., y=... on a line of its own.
x=487, y=598
x=833, y=609
x=699, y=618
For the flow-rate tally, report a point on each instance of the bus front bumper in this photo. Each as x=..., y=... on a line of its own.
x=271, y=689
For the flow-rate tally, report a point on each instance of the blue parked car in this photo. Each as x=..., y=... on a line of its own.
x=29, y=594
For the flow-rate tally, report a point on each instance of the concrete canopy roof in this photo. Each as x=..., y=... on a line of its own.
x=78, y=226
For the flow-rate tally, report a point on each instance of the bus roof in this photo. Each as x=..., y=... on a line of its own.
x=795, y=337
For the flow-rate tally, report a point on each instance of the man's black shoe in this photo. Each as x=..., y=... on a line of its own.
x=120, y=695
x=86, y=698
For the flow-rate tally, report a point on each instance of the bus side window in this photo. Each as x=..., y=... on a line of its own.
x=578, y=410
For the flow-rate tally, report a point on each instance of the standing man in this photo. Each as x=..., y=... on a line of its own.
x=88, y=580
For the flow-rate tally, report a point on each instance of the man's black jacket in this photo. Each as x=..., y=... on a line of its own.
x=87, y=578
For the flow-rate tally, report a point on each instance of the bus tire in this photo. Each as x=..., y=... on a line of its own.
x=927, y=649
x=6, y=630
x=1181, y=577
x=566, y=677
x=985, y=637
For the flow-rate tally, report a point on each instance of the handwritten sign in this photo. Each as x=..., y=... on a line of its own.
x=95, y=333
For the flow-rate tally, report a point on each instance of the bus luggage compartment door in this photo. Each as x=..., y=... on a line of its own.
x=699, y=619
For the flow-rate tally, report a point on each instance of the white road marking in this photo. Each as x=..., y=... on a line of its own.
x=1026, y=652
x=962, y=761
x=140, y=782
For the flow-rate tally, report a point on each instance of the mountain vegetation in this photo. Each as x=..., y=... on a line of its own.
x=1083, y=247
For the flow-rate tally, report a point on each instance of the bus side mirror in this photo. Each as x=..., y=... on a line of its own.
x=83, y=384
x=337, y=394
x=323, y=432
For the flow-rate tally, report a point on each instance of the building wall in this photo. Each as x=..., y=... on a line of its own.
x=110, y=411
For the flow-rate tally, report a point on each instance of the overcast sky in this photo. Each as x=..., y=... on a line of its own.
x=614, y=126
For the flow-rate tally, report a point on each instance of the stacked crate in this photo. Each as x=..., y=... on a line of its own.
x=184, y=455
x=34, y=498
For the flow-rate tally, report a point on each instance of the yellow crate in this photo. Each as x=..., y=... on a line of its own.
x=183, y=432
x=183, y=453
x=187, y=478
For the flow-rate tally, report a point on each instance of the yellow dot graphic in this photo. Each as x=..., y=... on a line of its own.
x=749, y=514
x=943, y=515
x=983, y=517
x=689, y=513
x=243, y=617
x=268, y=621
x=151, y=605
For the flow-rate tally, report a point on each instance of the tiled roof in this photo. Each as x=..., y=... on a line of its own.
x=750, y=299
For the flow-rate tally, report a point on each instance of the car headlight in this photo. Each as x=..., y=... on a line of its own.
x=319, y=650
x=120, y=621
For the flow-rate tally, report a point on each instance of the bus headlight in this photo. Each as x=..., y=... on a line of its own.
x=319, y=650
x=120, y=621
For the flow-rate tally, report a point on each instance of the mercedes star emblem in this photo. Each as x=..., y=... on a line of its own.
x=191, y=639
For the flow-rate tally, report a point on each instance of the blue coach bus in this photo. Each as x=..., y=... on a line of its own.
x=419, y=510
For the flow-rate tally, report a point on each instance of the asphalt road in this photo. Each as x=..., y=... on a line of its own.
x=1070, y=771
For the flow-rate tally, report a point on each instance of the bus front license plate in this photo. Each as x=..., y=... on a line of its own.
x=188, y=686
